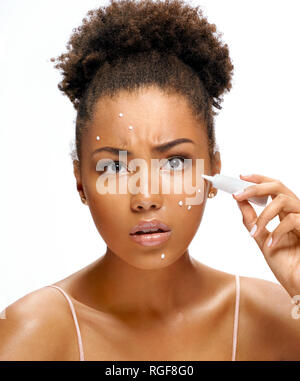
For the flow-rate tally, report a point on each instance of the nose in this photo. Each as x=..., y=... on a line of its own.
x=139, y=203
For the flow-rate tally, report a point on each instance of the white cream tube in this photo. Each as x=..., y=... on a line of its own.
x=233, y=184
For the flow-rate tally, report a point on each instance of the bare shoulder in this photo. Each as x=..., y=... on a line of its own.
x=267, y=328
x=38, y=326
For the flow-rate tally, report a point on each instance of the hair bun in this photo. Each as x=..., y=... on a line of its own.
x=127, y=27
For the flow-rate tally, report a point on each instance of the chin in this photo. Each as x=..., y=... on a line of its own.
x=150, y=260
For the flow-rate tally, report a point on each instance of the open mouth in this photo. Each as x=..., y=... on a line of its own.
x=150, y=233
x=141, y=232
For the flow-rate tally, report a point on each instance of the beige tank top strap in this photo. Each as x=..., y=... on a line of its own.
x=236, y=316
x=80, y=346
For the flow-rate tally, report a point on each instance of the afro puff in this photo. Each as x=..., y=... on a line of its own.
x=130, y=43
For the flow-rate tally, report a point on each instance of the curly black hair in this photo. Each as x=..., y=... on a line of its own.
x=131, y=44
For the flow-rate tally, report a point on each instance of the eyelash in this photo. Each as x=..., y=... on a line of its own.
x=180, y=156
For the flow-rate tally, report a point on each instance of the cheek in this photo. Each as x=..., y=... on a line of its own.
x=188, y=182
x=185, y=219
x=108, y=212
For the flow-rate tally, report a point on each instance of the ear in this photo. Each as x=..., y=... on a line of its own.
x=217, y=165
x=77, y=174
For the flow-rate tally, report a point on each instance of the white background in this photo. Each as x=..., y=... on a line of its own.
x=46, y=232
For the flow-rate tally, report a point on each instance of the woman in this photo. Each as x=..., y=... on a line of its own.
x=144, y=78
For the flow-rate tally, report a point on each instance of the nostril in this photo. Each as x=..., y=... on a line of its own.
x=141, y=206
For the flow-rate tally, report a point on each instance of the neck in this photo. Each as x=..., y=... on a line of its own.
x=120, y=288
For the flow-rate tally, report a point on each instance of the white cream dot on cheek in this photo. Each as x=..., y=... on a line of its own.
x=130, y=127
x=189, y=207
x=98, y=137
x=180, y=203
x=120, y=115
x=162, y=256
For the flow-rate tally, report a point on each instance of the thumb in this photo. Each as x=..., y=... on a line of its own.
x=249, y=220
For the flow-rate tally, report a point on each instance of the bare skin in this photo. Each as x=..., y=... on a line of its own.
x=131, y=304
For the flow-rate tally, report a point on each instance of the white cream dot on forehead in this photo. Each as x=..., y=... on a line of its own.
x=120, y=115
x=180, y=203
x=163, y=255
x=130, y=127
x=189, y=207
x=98, y=137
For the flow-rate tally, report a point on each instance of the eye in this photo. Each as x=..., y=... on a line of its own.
x=115, y=166
x=176, y=163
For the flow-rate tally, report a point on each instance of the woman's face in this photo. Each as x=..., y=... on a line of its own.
x=156, y=118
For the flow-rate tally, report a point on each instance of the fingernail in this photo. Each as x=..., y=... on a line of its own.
x=270, y=242
x=247, y=175
x=253, y=230
x=238, y=192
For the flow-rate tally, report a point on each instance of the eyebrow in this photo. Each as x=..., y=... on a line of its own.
x=160, y=148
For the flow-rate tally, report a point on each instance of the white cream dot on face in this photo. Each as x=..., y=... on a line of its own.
x=98, y=137
x=162, y=256
x=130, y=127
x=189, y=207
x=180, y=203
x=120, y=115
x=199, y=190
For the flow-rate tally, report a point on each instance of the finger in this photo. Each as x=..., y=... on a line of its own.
x=256, y=178
x=249, y=220
x=271, y=188
x=290, y=223
x=248, y=213
x=282, y=203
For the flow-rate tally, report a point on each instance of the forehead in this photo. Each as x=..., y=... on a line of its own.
x=155, y=116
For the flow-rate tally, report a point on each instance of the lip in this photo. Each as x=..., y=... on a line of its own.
x=151, y=239
x=150, y=224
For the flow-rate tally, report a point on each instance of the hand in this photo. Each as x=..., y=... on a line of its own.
x=283, y=255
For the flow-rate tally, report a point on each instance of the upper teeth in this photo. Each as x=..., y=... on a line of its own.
x=150, y=230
